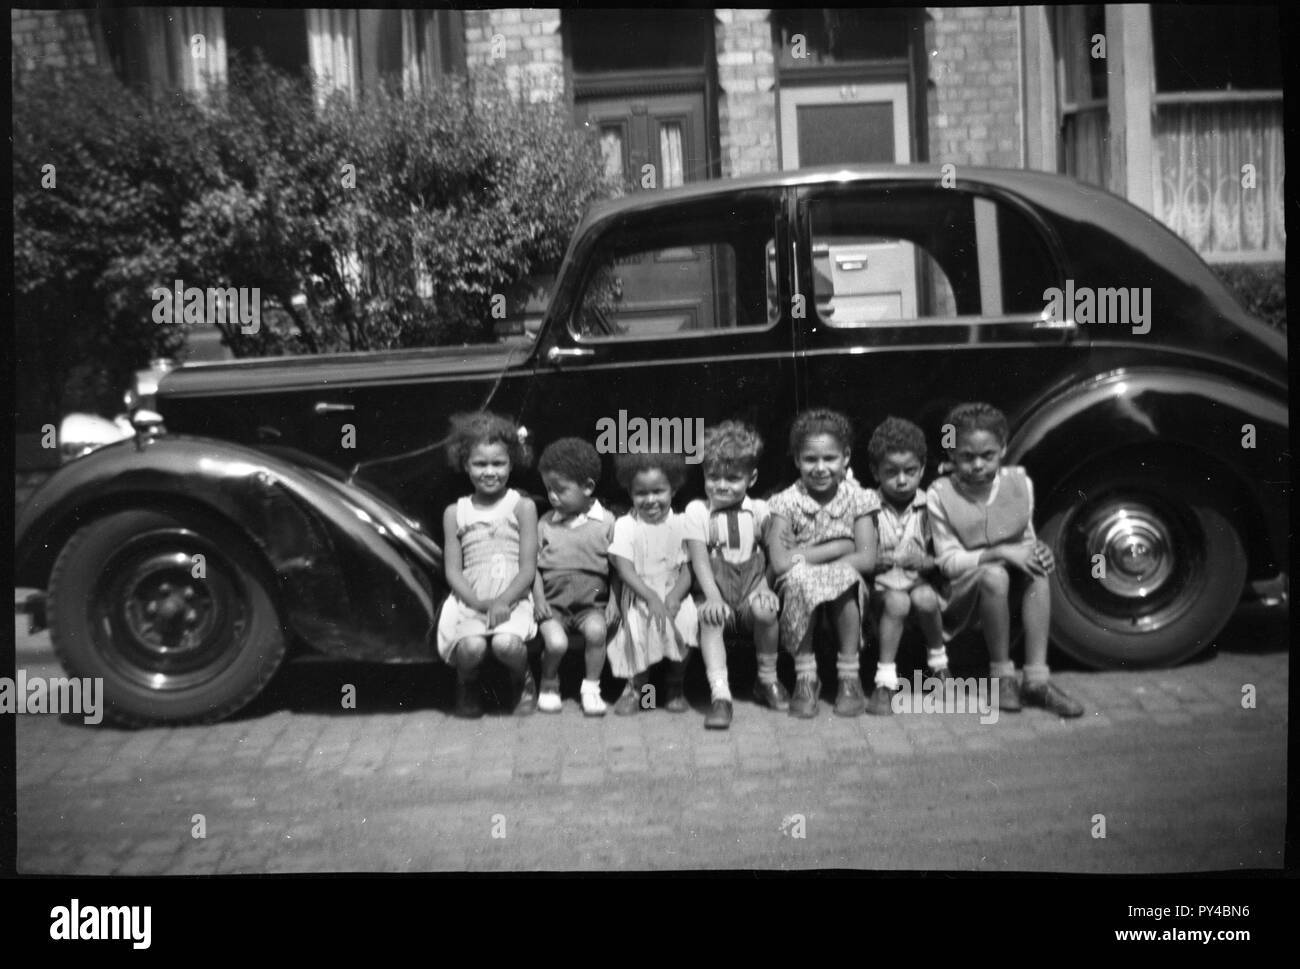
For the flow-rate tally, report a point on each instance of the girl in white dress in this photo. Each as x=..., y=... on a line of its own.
x=490, y=541
x=648, y=554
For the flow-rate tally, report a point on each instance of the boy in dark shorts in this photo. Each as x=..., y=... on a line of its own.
x=571, y=590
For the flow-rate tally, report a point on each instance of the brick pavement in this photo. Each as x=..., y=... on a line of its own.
x=1186, y=779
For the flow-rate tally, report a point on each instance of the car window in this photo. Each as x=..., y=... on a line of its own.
x=885, y=256
x=677, y=272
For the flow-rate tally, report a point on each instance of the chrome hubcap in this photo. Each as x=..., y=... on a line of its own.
x=1136, y=550
x=1132, y=561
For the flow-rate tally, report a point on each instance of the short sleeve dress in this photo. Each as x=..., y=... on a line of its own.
x=489, y=548
x=657, y=551
x=805, y=587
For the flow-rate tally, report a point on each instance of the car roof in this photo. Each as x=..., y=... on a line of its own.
x=1065, y=200
x=1085, y=215
x=1040, y=186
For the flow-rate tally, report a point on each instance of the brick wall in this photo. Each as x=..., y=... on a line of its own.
x=59, y=39
x=746, y=102
x=528, y=45
x=974, y=96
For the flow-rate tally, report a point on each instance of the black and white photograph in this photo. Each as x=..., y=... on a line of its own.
x=677, y=440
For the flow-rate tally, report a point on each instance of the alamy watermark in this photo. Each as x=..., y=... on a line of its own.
x=214, y=306
x=655, y=435
x=972, y=694
x=75, y=922
x=1085, y=305
x=59, y=694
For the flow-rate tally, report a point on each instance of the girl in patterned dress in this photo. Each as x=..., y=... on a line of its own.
x=822, y=541
x=490, y=540
x=648, y=554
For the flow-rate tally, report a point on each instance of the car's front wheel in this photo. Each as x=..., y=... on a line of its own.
x=173, y=610
x=1150, y=566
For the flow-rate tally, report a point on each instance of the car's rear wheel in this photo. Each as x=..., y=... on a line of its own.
x=172, y=610
x=1150, y=566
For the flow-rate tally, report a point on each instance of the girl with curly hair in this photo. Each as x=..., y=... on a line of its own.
x=490, y=539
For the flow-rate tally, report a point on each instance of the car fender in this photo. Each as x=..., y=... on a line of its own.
x=1236, y=427
x=354, y=577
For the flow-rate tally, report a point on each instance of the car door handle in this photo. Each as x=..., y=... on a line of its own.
x=328, y=407
x=1067, y=328
x=556, y=354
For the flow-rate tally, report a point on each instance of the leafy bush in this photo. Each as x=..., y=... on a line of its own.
x=382, y=223
x=98, y=182
x=1261, y=288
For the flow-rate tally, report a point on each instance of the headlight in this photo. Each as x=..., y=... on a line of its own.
x=79, y=434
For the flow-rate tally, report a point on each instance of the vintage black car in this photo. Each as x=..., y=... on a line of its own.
x=1149, y=407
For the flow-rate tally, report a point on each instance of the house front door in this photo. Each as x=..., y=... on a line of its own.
x=850, y=124
x=665, y=132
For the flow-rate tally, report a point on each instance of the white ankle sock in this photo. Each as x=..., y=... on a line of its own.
x=1037, y=675
x=887, y=675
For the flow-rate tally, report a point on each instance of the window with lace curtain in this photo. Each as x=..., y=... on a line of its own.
x=1218, y=109
x=347, y=49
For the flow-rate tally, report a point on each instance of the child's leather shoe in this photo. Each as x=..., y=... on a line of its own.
x=675, y=689
x=1009, y=694
x=941, y=674
x=469, y=704
x=527, y=702
x=849, y=701
x=629, y=702
x=804, y=701
x=1050, y=697
x=881, y=702
x=719, y=717
x=771, y=695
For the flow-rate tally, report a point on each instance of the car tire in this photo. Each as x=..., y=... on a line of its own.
x=1171, y=572
x=176, y=638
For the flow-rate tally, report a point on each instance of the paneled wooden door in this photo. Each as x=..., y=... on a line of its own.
x=667, y=131
x=658, y=290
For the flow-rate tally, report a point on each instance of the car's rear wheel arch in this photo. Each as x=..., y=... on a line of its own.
x=1237, y=494
x=41, y=564
x=1171, y=530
